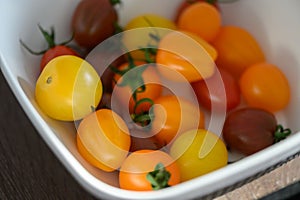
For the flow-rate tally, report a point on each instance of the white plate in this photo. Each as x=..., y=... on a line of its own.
x=272, y=22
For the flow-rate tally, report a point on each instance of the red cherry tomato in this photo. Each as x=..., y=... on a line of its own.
x=56, y=51
x=53, y=50
x=216, y=95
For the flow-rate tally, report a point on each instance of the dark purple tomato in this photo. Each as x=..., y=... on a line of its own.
x=231, y=97
x=249, y=130
x=93, y=21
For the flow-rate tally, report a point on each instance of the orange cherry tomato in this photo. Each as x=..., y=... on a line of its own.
x=134, y=170
x=186, y=53
x=237, y=49
x=103, y=139
x=146, y=76
x=202, y=19
x=264, y=85
x=172, y=116
x=186, y=3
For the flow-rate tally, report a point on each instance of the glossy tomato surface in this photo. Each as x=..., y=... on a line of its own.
x=103, y=139
x=93, y=21
x=249, y=130
x=265, y=86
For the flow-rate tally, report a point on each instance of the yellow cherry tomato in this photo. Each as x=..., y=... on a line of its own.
x=140, y=30
x=198, y=152
x=68, y=88
x=103, y=139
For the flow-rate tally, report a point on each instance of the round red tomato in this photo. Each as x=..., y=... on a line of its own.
x=211, y=91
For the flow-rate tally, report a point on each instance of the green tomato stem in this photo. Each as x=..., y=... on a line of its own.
x=50, y=39
x=159, y=178
x=115, y=2
x=281, y=133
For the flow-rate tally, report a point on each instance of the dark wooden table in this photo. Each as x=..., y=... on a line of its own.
x=29, y=169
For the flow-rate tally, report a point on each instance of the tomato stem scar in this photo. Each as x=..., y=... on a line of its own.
x=49, y=80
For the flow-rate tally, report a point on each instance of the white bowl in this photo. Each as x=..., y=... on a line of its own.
x=273, y=23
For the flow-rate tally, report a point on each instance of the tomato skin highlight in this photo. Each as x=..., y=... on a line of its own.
x=93, y=21
x=249, y=130
x=103, y=139
x=264, y=85
x=230, y=99
x=138, y=164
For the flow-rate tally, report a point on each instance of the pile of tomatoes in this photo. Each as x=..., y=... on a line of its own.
x=132, y=121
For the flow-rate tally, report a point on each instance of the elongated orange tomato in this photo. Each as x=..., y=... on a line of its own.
x=238, y=49
x=202, y=19
x=187, y=54
x=174, y=115
x=134, y=170
x=103, y=139
x=265, y=86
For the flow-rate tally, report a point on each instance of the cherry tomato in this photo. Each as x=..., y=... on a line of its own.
x=187, y=3
x=93, y=21
x=173, y=116
x=103, y=139
x=140, y=30
x=141, y=75
x=249, y=130
x=229, y=99
x=265, y=86
x=53, y=50
x=187, y=54
x=202, y=19
x=237, y=49
x=198, y=152
x=68, y=88
x=136, y=167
